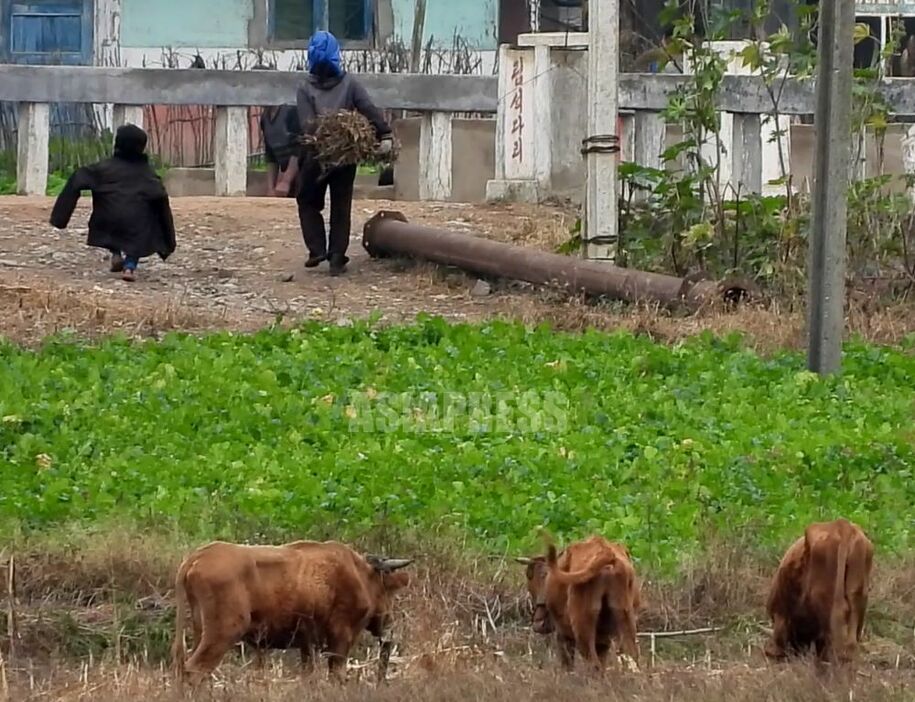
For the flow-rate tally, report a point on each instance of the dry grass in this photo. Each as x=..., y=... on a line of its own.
x=94, y=615
x=765, y=328
x=33, y=312
x=343, y=138
x=493, y=680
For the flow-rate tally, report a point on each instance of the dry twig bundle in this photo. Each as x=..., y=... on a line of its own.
x=345, y=138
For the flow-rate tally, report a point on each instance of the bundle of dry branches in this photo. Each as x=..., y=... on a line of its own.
x=345, y=138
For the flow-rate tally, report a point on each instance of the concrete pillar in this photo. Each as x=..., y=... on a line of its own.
x=32, y=156
x=643, y=142
x=650, y=133
x=127, y=114
x=746, y=154
x=505, y=58
x=435, y=156
x=908, y=155
x=230, y=149
x=601, y=225
x=828, y=223
x=543, y=130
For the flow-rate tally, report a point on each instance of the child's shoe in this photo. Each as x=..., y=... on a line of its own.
x=117, y=263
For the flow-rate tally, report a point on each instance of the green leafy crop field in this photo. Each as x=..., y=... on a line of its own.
x=485, y=433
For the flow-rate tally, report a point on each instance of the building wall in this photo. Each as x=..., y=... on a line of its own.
x=476, y=21
x=185, y=23
x=166, y=31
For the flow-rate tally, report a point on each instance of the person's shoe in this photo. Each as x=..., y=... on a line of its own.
x=338, y=264
x=129, y=274
x=117, y=263
x=315, y=261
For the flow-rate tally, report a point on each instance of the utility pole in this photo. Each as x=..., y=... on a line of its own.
x=826, y=318
x=602, y=143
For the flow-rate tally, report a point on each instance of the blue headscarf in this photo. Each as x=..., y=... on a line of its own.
x=324, y=54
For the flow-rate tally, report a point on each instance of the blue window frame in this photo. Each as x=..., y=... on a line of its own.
x=294, y=21
x=46, y=31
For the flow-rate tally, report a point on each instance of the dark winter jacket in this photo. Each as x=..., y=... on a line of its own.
x=280, y=127
x=326, y=94
x=130, y=207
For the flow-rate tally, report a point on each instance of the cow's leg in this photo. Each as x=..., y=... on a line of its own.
x=777, y=646
x=339, y=643
x=221, y=631
x=859, y=609
x=307, y=653
x=260, y=658
x=628, y=635
x=566, y=649
x=583, y=616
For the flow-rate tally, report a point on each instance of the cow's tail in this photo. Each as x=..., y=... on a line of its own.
x=181, y=603
x=577, y=577
x=838, y=612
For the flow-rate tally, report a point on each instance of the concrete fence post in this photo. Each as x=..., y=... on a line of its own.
x=230, y=148
x=746, y=154
x=650, y=132
x=32, y=153
x=127, y=114
x=908, y=156
x=543, y=103
x=435, y=156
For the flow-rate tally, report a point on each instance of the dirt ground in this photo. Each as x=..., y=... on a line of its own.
x=239, y=266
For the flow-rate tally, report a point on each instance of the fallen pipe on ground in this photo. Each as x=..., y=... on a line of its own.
x=389, y=233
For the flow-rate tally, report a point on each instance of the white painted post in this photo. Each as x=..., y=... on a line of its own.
x=601, y=223
x=627, y=137
x=127, y=114
x=32, y=156
x=648, y=143
x=908, y=156
x=857, y=162
x=502, y=150
x=543, y=130
x=746, y=154
x=230, y=147
x=650, y=132
x=435, y=156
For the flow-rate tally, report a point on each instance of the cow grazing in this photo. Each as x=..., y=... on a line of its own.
x=819, y=593
x=589, y=596
x=307, y=595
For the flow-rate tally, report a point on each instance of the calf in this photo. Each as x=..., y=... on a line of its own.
x=819, y=593
x=589, y=596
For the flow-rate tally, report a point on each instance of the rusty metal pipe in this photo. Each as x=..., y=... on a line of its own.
x=389, y=233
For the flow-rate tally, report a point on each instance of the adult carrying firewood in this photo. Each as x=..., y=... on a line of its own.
x=329, y=89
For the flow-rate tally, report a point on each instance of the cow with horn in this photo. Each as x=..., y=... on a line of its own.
x=589, y=597
x=317, y=597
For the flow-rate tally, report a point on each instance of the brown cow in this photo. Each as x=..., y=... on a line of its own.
x=819, y=593
x=306, y=595
x=589, y=596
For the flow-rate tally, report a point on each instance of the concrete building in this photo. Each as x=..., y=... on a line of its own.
x=230, y=33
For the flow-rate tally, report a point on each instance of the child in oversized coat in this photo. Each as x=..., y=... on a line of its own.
x=131, y=216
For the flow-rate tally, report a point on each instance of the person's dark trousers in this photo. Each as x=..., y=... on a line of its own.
x=310, y=200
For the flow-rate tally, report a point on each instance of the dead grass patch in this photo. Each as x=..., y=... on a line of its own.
x=111, y=593
x=33, y=312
